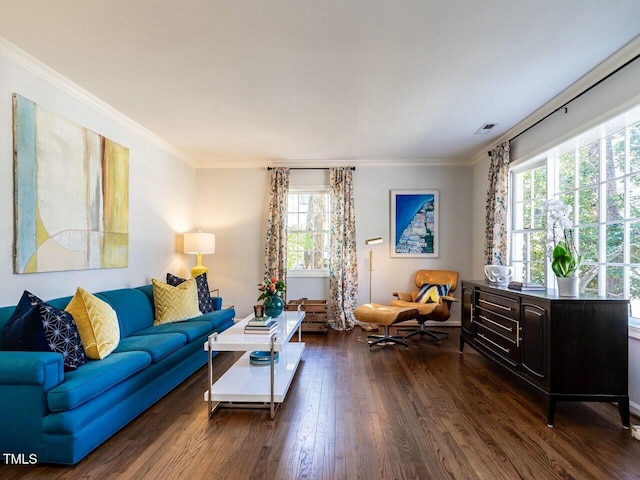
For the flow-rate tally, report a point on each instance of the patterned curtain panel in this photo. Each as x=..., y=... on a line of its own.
x=275, y=256
x=343, y=271
x=495, y=251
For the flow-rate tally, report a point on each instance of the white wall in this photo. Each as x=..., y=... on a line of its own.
x=373, y=207
x=233, y=204
x=478, y=208
x=618, y=93
x=634, y=375
x=161, y=197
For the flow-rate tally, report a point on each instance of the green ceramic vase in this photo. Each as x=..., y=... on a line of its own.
x=273, y=306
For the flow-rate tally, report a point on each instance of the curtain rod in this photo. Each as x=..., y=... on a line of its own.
x=310, y=168
x=564, y=105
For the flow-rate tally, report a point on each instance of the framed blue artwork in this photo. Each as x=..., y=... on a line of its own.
x=414, y=223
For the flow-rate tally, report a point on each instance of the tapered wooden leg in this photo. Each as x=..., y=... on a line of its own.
x=623, y=407
x=551, y=410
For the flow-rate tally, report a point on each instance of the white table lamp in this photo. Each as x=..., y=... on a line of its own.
x=199, y=243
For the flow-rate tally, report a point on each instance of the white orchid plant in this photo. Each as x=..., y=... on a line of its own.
x=565, y=259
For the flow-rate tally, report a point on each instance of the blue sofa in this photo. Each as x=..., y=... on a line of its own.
x=62, y=416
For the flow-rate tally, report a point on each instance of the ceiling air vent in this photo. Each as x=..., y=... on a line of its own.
x=486, y=128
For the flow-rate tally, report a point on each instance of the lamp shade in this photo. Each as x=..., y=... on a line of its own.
x=373, y=241
x=199, y=242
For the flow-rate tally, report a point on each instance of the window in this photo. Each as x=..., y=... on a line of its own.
x=528, y=234
x=308, y=220
x=598, y=174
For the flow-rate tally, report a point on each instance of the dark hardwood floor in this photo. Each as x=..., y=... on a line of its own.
x=425, y=413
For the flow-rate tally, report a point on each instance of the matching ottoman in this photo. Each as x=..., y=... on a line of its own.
x=386, y=316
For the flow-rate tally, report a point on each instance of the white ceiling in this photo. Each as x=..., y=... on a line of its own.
x=252, y=82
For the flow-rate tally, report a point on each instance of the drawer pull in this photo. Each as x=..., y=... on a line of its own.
x=508, y=309
x=508, y=329
x=494, y=343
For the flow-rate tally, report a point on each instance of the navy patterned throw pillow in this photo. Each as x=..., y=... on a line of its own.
x=24, y=331
x=205, y=302
x=62, y=334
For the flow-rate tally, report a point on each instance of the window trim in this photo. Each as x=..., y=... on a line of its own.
x=537, y=162
x=324, y=273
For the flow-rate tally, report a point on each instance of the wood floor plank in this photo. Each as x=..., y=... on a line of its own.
x=426, y=412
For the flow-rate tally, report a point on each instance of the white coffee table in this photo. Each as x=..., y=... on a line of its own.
x=255, y=386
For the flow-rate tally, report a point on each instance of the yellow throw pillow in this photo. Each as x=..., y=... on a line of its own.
x=174, y=304
x=97, y=324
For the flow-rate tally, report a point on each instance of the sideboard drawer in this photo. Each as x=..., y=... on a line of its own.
x=506, y=306
x=504, y=326
x=498, y=344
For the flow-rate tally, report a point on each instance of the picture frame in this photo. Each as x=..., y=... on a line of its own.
x=415, y=222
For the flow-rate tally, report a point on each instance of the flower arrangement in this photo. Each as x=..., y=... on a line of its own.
x=565, y=259
x=271, y=287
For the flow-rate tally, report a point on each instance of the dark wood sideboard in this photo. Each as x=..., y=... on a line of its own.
x=568, y=348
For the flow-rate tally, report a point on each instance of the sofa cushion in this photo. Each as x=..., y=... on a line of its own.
x=62, y=334
x=129, y=397
x=133, y=307
x=24, y=331
x=174, y=304
x=205, y=302
x=192, y=329
x=94, y=378
x=97, y=324
x=157, y=345
x=220, y=319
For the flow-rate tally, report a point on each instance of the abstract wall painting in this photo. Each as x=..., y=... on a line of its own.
x=71, y=187
x=414, y=223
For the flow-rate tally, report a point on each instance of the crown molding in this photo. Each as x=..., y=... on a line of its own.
x=600, y=71
x=377, y=163
x=35, y=67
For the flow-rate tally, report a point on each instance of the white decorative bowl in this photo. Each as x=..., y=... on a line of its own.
x=498, y=273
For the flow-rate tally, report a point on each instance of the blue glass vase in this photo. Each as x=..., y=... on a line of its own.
x=273, y=306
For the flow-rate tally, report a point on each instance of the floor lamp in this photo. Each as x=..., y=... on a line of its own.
x=371, y=242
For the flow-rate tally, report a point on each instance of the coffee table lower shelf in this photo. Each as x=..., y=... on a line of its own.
x=249, y=386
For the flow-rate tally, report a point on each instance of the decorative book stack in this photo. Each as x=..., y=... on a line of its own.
x=264, y=325
x=526, y=287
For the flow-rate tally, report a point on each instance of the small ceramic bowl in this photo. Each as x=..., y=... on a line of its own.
x=498, y=273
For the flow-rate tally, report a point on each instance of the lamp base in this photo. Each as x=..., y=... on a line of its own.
x=195, y=271
x=199, y=269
